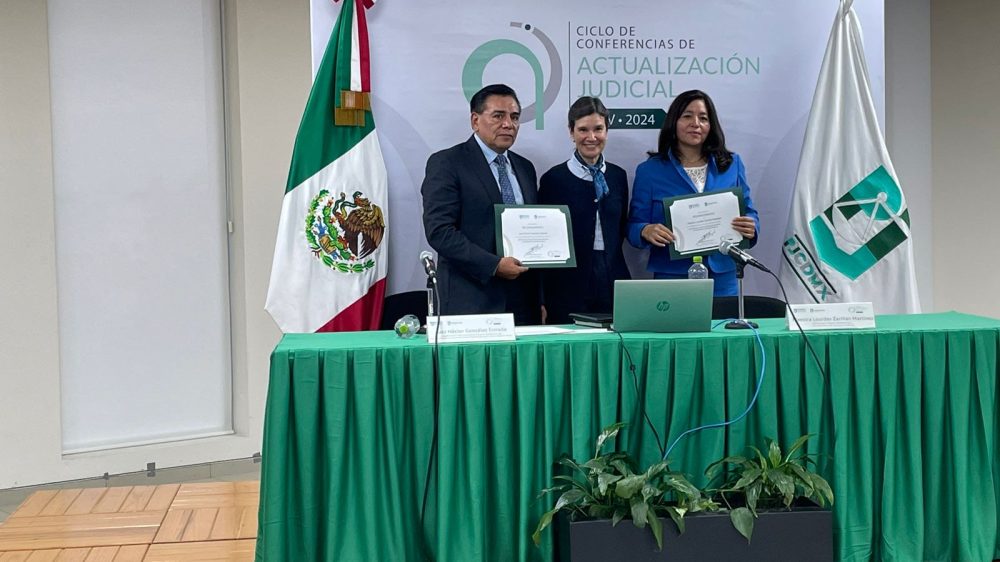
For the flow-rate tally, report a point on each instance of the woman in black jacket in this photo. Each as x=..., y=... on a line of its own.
x=592, y=189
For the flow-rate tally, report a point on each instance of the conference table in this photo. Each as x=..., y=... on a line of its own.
x=905, y=416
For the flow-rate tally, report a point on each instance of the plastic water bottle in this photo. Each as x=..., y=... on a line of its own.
x=697, y=269
x=407, y=326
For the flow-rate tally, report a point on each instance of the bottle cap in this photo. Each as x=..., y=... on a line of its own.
x=697, y=259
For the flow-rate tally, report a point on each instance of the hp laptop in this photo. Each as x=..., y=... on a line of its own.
x=663, y=305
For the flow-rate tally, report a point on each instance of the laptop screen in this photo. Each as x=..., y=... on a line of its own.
x=663, y=305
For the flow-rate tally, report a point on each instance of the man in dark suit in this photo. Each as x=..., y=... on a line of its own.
x=461, y=186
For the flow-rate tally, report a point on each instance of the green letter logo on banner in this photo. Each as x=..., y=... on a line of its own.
x=545, y=95
x=845, y=233
x=475, y=66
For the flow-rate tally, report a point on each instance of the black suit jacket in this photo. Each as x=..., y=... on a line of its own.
x=566, y=289
x=459, y=192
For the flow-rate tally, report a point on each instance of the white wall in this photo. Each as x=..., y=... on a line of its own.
x=29, y=330
x=908, y=124
x=268, y=50
x=965, y=115
x=140, y=201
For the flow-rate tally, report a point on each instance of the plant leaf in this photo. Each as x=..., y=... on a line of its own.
x=774, y=453
x=547, y=491
x=544, y=522
x=640, y=510
x=717, y=465
x=678, y=518
x=650, y=491
x=564, y=500
x=823, y=487
x=607, y=433
x=617, y=455
x=656, y=469
x=748, y=477
x=628, y=486
x=705, y=504
x=597, y=464
x=570, y=497
x=620, y=514
x=604, y=479
x=623, y=467
x=805, y=480
x=682, y=485
x=565, y=478
x=753, y=493
x=599, y=511
x=784, y=483
x=657, y=528
x=566, y=461
x=572, y=483
x=796, y=445
x=743, y=521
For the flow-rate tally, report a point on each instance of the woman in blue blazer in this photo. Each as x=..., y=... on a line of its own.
x=691, y=158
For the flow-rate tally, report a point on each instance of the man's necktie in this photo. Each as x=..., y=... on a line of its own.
x=506, y=190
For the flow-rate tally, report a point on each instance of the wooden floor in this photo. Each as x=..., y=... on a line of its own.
x=214, y=521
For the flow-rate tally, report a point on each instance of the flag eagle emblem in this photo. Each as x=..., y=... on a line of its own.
x=342, y=231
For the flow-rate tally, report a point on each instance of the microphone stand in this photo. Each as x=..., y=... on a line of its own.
x=742, y=323
x=431, y=285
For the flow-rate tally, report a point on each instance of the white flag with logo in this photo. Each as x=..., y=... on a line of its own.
x=848, y=236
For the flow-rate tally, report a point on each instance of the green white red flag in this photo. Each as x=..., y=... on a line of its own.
x=330, y=259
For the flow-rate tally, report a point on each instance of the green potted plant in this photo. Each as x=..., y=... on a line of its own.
x=766, y=482
x=718, y=522
x=608, y=486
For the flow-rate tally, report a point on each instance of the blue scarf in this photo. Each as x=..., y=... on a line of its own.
x=600, y=184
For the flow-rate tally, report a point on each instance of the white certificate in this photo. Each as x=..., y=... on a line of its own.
x=701, y=223
x=537, y=235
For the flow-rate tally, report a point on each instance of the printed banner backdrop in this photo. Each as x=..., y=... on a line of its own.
x=759, y=62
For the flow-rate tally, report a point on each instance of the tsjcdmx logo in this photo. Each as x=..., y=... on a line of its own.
x=544, y=92
x=863, y=226
x=851, y=235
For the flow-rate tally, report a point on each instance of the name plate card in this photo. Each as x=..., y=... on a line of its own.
x=832, y=316
x=471, y=328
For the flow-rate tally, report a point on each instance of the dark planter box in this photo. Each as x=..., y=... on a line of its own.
x=801, y=534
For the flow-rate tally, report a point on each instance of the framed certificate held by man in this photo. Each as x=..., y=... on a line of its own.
x=537, y=235
x=702, y=221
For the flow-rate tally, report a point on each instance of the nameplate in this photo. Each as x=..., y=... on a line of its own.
x=832, y=316
x=471, y=328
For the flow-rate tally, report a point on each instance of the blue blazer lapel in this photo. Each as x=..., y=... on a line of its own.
x=684, y=175
x=714, y=181
x=712, y=176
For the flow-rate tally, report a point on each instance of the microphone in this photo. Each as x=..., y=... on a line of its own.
x=427, y=259
x=739, y=256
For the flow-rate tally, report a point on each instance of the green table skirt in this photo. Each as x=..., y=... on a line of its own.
x=906, y=422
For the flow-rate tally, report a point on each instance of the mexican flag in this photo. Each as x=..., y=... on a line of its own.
x=848, y=237
x=330, y=260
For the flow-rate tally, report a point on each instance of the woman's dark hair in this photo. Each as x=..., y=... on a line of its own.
x=585, y=106
x=715, y=142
